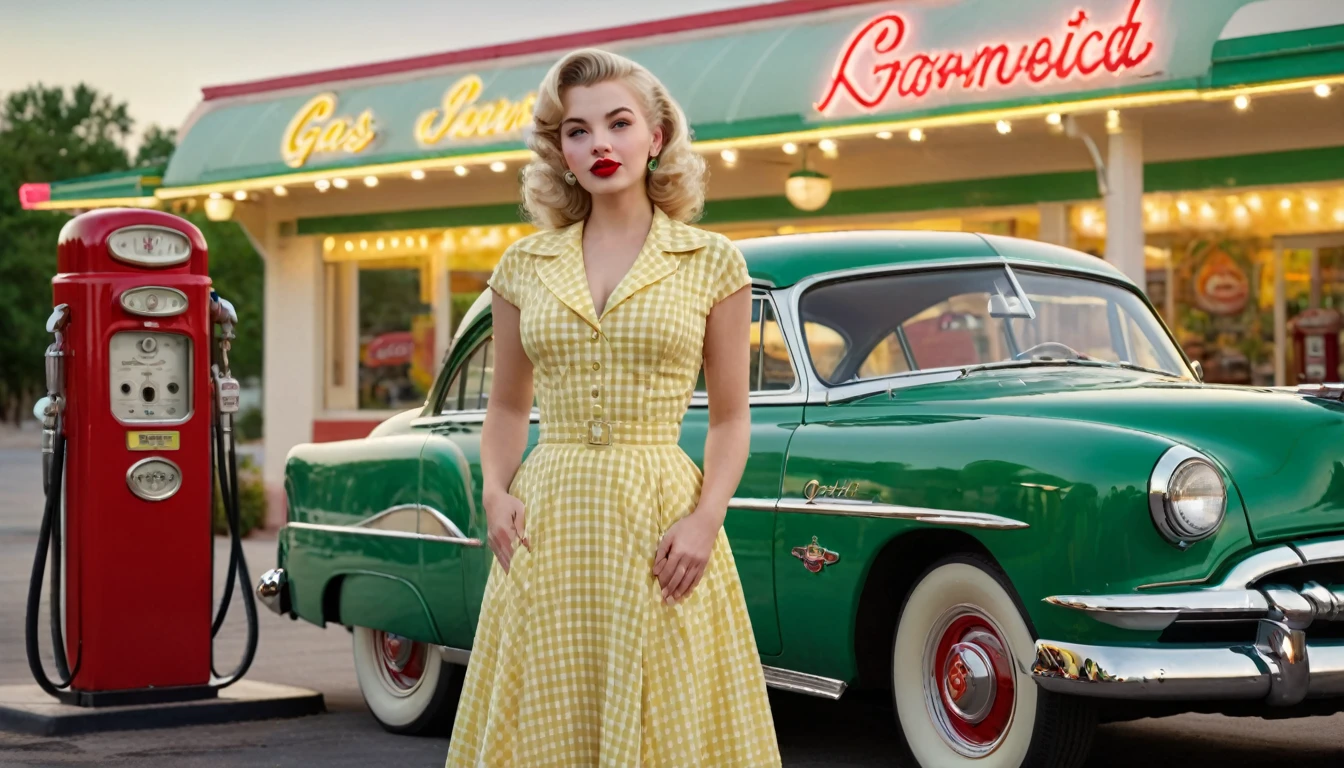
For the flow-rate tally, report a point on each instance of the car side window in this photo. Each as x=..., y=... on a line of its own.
x=469, y=389
x=771, y=370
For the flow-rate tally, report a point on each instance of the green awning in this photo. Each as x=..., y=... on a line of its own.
x=134, y=187
x=137, y=182
x=762, y=78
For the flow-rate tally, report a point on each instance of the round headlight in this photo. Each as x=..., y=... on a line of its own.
x=1186, y=496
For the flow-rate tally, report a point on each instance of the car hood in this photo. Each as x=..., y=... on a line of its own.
x=1284, y=452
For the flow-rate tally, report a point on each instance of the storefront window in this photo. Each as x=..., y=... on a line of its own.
x=396, y=338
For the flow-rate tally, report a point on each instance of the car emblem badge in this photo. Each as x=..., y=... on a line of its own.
x=815, y=557
x=814, y=488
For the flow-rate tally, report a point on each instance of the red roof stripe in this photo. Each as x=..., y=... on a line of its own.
x=539, y=45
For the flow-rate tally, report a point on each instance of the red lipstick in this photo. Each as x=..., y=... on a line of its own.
x=604, y=167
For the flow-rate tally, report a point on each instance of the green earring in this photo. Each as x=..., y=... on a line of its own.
x=653, y=163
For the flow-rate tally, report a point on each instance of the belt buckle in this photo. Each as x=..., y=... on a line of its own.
x=599, y=432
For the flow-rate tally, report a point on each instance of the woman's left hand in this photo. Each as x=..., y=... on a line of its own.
x=682, y=555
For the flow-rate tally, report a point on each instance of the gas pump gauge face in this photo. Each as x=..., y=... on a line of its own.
x=150, y=376
x=154, y=301
x=149, y=246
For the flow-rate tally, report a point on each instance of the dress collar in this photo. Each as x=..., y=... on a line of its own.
x=563, y=272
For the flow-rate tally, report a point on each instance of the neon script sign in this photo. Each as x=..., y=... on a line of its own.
x=1079, y=50
x=461, y=118
x=314, y=131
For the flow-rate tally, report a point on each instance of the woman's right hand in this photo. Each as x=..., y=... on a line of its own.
x=504, y=519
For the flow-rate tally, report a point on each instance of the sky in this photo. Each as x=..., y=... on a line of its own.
x=156, y=55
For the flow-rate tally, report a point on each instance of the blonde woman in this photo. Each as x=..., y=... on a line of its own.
x=613, y=630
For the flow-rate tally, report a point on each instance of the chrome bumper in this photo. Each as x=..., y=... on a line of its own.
x=1241, y=595
x=1280, y=669
x=273, y=590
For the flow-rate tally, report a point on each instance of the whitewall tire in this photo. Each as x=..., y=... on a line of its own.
x=407, y=685
x=961, y=661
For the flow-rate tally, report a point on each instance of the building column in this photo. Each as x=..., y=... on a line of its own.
x=443, y=305
x=1124, y=201
x=1280, y=319
x=292, y=395
x=1054, y=223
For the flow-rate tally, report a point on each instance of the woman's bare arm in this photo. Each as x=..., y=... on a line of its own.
x=504, y=434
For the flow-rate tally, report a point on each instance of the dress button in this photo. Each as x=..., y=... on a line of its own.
x=595, y=390
x=595, y=334
x=596, y=365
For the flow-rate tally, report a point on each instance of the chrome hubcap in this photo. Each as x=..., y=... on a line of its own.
x=401, y=662
x=969, y=682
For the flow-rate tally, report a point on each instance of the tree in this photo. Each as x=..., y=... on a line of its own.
x=156, y=147
x=45, y=134
x=51, y=134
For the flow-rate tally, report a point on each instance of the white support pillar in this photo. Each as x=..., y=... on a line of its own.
x=1280, y=320
x=293, y=358
x=443, y=305
x=1124, y=203
x=1054, y=223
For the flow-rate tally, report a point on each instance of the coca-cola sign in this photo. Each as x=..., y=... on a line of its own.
x=877, y=70
x=393, y=348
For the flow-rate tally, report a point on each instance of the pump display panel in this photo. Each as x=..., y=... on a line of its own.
x=150, y=376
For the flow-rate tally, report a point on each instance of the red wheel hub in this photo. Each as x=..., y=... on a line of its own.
x=403, y=660
x=974, y=677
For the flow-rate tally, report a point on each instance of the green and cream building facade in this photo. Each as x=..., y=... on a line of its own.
x=1199, y=147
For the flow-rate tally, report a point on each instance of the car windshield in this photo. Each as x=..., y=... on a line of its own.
x=895, y=323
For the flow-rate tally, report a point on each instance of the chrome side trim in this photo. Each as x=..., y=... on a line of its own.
x=1260, y=565
x=784, y=679
x=1324, y=551
x=1155, y=612
x=1234, y=596
x=756, y=505
x=846, y=508
x=801, y=682
x=459, y=656
x=463, y=417
x=378, y=532
x=1280, y=669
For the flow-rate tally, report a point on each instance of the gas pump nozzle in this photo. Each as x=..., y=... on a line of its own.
x=227, y=387
x=49, y=408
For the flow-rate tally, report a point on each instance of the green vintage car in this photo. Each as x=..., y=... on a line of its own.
x=983, y=477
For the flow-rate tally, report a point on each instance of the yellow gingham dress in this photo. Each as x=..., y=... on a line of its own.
x=577, y=661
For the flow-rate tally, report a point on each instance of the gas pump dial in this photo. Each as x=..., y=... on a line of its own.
x=151, y=376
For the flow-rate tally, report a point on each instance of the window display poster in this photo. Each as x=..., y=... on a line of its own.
x=1219, y=316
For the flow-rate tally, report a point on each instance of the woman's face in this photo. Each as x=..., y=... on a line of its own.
x=606, y=138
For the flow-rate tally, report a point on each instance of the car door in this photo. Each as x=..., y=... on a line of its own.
x=456, y=560
x=776, y=410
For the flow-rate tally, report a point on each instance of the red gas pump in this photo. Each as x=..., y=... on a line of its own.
x=1316, y=345
x=136, y=419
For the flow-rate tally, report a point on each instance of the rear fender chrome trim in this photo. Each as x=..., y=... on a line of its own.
x=801, y=682
x=378, y=532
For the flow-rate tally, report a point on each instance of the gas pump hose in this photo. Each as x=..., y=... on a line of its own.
x=48, y=539
x=44, y=541
x=226, y=458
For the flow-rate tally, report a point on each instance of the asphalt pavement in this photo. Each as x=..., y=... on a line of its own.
x=855, y=731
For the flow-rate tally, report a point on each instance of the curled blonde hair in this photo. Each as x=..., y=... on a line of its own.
x=677, y=186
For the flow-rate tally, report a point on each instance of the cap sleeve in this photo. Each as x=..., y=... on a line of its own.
x=505, y=279
x=730, y=271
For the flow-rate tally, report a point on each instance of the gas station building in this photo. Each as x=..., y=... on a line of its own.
x=1197, y=146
